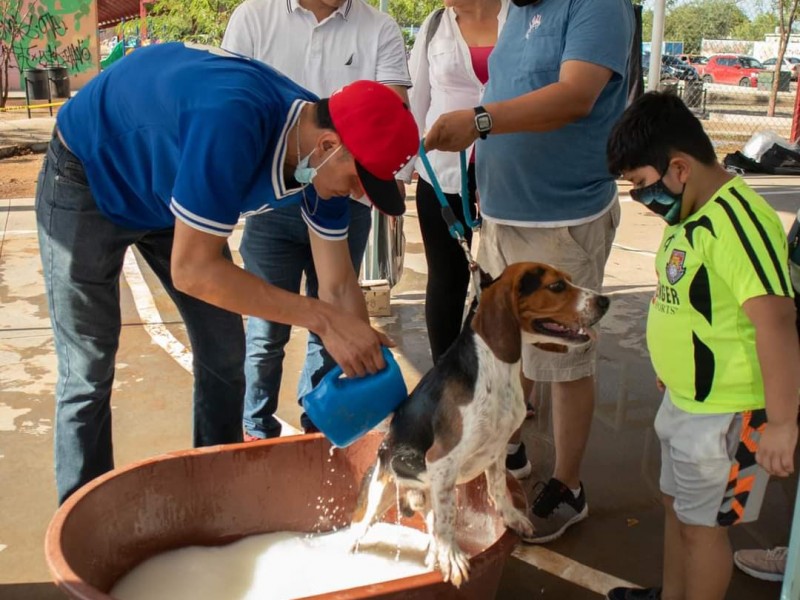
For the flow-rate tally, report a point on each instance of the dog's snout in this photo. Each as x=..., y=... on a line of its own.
x=603, y=302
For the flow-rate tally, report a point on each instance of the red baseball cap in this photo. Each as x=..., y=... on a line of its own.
x=380, y=132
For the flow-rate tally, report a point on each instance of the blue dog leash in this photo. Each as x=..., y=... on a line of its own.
x=455, y=226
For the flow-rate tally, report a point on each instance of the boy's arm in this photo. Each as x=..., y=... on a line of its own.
x=779, y=356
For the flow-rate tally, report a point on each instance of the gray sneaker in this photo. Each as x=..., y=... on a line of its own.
x=555, y=509
x=768, y=565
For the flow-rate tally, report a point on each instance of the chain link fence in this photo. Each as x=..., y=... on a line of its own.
x=732, y=114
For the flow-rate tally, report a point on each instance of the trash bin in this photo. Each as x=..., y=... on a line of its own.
x=385, y=252
x=693, y=93
x=59, y=81
x=36, y=84
x=765, y=79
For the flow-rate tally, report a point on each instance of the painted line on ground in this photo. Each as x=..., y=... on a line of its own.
x=568, y=569
x=19, y=232
x=632, y=249
x=154, y=325
x=794, y=192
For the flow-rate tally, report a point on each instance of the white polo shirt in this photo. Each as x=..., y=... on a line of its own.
x=355, y=42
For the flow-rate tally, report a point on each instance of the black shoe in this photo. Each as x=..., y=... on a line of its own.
x=624, y=593
x=307, y=425
x=555, y=509
x=518, y=464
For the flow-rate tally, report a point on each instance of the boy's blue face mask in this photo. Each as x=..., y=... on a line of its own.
x=658, y=198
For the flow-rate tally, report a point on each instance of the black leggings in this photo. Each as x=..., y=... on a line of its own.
x=448, y=272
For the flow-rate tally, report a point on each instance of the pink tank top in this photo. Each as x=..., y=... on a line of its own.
x=480, y=62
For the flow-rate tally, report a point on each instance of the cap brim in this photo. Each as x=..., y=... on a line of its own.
x=383, y=194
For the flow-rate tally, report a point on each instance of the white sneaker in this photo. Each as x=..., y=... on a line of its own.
x=768, y=565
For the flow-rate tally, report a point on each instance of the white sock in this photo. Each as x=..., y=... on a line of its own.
x=575, y=493
x=512, y=448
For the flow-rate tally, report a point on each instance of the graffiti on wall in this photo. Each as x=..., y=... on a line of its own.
x=54, y=33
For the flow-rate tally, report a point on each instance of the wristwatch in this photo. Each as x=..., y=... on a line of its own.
x=483, y=122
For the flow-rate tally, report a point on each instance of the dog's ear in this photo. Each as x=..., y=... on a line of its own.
x=486, y=279
x=496, y=319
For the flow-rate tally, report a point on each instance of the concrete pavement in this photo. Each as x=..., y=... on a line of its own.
x=151, y=406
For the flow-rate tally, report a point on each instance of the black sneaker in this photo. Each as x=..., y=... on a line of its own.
x=555, y=509
x=624, y=593
x=307, y=425
x=518, y=464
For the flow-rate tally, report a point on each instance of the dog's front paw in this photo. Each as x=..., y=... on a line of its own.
x=516, y=520
x=453, y=563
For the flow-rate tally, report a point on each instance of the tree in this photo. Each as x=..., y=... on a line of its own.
x=647, y=24
x=756, y=29
x=710, y=19
x=202, y=21
x=14, y=27
x=787, y=11
x=409, y=13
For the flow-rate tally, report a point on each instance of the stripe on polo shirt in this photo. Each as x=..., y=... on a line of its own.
x=324, y=232
x=198, y=222
x=401, y=82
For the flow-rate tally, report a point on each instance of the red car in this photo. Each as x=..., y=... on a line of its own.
x=732, y=69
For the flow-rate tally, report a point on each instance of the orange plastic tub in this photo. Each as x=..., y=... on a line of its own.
x=214, y=496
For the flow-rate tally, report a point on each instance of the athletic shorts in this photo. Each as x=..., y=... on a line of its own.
x=708, y=464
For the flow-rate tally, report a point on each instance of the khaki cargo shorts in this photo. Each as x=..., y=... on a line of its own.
x=580, y=250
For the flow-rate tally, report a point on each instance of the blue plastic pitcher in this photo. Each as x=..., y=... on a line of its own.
x=345, y=408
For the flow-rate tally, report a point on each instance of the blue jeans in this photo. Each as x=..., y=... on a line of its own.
x=82, y=255
x=276, y=247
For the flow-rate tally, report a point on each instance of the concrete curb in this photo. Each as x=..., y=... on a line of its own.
x=21, y=149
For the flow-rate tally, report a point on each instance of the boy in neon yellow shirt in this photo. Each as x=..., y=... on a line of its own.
x=722, y=339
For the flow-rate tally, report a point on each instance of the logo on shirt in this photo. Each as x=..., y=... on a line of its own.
x=536, y=21
x=349, y=61
x=675, y=268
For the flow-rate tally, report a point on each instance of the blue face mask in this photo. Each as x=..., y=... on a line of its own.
x=305, y=174
x=658, y=198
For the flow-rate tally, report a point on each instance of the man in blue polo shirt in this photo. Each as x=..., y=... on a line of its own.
x=557, y=83
x=165, y=151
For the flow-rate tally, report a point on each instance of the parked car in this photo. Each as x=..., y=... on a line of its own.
x=790, y=64
x=678, y=68
x=692, y=59
x=671, y=68
x=732, y=69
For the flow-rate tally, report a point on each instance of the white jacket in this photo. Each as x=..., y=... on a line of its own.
x=443, y=80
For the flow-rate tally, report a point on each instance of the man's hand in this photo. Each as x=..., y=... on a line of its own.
x=660, y=385
x=452, y=132
x=353, y=344
x=776, y=449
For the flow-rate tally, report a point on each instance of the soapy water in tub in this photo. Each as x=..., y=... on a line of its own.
x=278, y=566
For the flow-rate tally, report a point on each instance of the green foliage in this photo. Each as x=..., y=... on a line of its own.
x=202, y=21
x=647, y=24
x=757, y=28
x=710, y=19
x=409, y=13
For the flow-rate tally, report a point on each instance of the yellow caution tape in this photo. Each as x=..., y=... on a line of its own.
x=27, y=106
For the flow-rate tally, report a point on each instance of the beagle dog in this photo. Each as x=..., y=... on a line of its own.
x=456, y=423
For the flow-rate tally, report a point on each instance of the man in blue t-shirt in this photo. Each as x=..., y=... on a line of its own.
x=557, y=83
x=166, y=150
